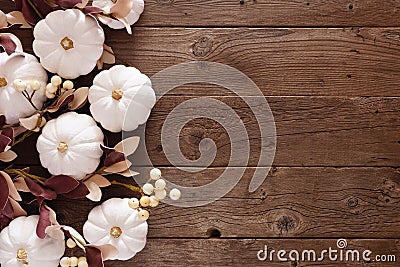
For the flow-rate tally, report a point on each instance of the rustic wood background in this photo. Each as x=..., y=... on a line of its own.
x=330, y=71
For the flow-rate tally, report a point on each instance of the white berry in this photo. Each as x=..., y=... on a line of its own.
x=65, y=262
x=155, y=174
x=35, y=85
x=19, y=85
x=82, y=259
x=51, y=88
x=175, y=194
x=160, y=184
x=148, y=189
x=144, y=215
x=74, y=261
x=160, y=194
x=145, y=201
x=133, y=203
x=56, y=80
x=50, y=95
x=154, y=202
x=83, y=264
x=68, y=85
x=71, y=243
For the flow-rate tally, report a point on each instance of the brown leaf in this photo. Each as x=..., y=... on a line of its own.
x=119, y=167
x=20, y=185
x=13, y=190
x=108, y=57
x=16, y=17
x=122, y=8
x=80, y=98
x=128, y=146
x=129, y=173
x=95, y=191
x=126, y=24
x=8, y=156
x=62, y=101
x=5, y=141
x=7, y=43
x=100, y=180
x=33, y=123
x=55, y=232
x=18, y=210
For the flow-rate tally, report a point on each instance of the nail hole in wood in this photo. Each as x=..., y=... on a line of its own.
x=308, y=4
x=241, y=2
x=349, y=76
x=213, y=233
x=351, y=6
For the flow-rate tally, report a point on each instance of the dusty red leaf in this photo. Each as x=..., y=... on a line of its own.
x=80, y=98
x=114, y=157
x=62, y=184
x=40, y=191
x=9, y=132
x=94, y=257
x=8, y=44
x=92, y=10
x=4, y=192
x=17, y=209
x=44, y=222
x=81, y=191
x=4, y=142
x=107, y=150
x=2, y=121
x=68, y=3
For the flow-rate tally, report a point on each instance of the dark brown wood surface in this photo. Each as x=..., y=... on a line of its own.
x=332, y=82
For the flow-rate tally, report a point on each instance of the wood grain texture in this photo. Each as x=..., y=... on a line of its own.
x=277, y=13
x=282, y=62
x=215, y=252
x=311, y=131
x=292, y=202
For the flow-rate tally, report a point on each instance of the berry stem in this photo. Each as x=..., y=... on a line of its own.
x=129, y=186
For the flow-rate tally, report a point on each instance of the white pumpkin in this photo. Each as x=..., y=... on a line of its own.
x=117, y=89
x=70, y=145
x=25, y=67
x=20, y=246
x=132, y=18
x=115, y=223
x=68, y=43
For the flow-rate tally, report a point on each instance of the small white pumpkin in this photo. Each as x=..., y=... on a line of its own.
x=115, y=223
x=70, y=145
x=20, y=246
x=117, y=89
x=68, y=43
x=132, y=18
x=25, y=67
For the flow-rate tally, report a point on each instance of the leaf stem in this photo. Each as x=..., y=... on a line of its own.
x=24, y=175
x=23, y=137
x=129, y=186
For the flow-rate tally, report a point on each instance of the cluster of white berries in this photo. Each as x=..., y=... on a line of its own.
x=148, y=200
x=73, y=261
x=56, y=85
x=21, y=85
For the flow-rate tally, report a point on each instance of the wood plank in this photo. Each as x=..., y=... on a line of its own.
x=292, y=202
x=284, y=13
x=217, y=252
x=284, y=62
x=316, y=131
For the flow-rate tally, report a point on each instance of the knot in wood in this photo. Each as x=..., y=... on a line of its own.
x=352, y=202
x=286, y=223
x=202, y=47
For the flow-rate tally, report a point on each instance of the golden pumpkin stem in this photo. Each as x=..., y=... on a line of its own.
x=3, y=82
x=22, y=256
x=129, y=186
